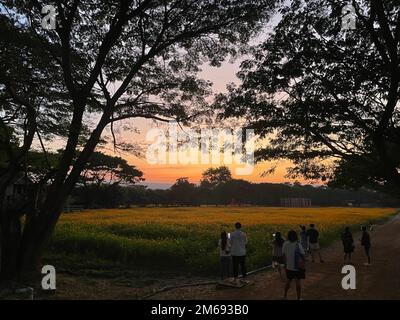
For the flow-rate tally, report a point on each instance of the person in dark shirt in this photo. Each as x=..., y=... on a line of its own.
x=304, y=238
x=313, y=236
x=348, y=244
x=366, y=243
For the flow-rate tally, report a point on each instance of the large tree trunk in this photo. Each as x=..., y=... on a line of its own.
x=37, y=233
x=40, y=222
x=10, y=239
x=21, y=248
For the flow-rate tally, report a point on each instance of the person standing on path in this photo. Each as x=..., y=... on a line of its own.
x=304, y=238
x=294, y=259
x=224, y=245
x=313, y=239
x=238, y=251
x=348, y=244
x=366, y=243
x=277, y=255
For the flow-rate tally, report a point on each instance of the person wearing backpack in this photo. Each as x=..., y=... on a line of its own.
x=294, y=260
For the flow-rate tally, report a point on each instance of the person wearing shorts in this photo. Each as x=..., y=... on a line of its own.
x=313, y=240
x=292, y=249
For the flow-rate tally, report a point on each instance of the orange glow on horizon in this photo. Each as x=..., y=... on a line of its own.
x=169, y=173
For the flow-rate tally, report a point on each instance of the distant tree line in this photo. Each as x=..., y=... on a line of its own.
x=217, y=187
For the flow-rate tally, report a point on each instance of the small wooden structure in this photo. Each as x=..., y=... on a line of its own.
x=17, y=192
x=296, y=202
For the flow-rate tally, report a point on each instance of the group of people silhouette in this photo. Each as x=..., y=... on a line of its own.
x=289, y=255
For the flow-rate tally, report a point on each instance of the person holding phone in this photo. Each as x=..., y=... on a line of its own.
x=277, y=254
x=224, y=245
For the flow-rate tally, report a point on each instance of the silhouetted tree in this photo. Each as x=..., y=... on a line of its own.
x=212, y=177
x=325, y=98
x=105, y=169
x=184, y=192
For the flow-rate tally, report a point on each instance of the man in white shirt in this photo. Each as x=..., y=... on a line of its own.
x=238, y=251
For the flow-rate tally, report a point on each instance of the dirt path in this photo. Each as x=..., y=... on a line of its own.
x=323, y=281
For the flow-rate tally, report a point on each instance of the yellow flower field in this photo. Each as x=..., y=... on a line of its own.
x=249, y=216
x=184, y=238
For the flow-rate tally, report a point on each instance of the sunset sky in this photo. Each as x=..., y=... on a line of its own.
x=164, y=175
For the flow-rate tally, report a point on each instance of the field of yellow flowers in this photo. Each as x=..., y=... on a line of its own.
x=184, y=239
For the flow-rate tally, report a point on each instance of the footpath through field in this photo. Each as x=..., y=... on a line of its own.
x=381, y=280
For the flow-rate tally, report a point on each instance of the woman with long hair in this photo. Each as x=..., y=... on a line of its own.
x=224, y=245
x=277, y=254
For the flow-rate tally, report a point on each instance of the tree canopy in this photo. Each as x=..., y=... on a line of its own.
x=212, y=177
x=105, y=169
x=325, y=98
